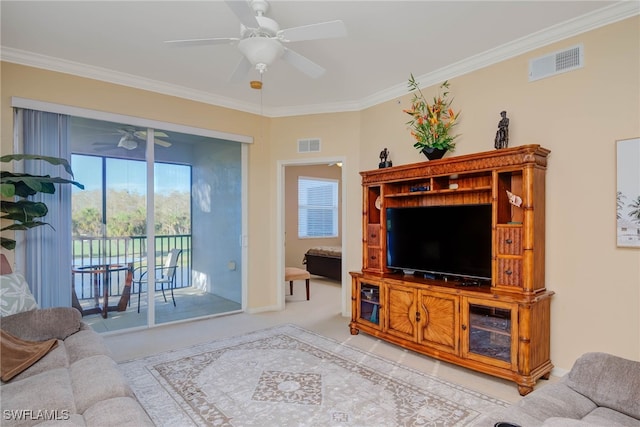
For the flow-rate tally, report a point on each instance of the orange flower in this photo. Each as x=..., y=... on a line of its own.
x=430, y=123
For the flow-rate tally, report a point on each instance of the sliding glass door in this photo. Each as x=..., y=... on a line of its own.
x=188, y=263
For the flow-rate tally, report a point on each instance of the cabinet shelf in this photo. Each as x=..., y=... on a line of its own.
x=442, y=191
x=490, y=324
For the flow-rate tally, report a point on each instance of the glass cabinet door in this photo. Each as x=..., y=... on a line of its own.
x=490, y=332
x=369, y=303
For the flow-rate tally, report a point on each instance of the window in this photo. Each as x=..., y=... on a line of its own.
x=317, y=207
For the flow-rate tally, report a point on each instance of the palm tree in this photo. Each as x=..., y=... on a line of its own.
x=635, y=213
x=620, y=204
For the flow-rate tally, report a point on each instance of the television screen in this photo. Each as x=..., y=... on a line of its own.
x=450, y=240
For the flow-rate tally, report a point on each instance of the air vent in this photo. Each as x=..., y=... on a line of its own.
x=556, y=63
x=311, y=145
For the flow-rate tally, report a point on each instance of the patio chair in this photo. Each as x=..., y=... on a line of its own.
x=165, y=275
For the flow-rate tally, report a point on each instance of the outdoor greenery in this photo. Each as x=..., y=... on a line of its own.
x=126, y=214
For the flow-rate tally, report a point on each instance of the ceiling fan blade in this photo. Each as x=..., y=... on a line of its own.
x=162, y=143
x=142, y=134
x=203, y=42
x=303, y=64
x=322, y=30
x=243, y=67
x=244, y=12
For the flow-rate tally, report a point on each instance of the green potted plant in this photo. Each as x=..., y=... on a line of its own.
x=25, y=213
x=430, y=124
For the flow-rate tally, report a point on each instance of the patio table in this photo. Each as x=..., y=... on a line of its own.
x=96, y=272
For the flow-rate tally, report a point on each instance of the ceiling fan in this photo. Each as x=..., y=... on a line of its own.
x=131, y=137
x=262, y=41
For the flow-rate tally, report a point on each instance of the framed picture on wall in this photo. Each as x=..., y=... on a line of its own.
x=628, y=192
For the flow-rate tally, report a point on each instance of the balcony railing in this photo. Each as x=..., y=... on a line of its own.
x=96, y=251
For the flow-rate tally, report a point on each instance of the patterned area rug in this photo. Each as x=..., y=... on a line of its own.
x=288, y=376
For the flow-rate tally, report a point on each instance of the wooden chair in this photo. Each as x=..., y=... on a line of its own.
x=293, y=273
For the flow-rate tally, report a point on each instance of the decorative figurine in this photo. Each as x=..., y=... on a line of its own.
x=384, y=163
x=502, y=135
x=514, y=199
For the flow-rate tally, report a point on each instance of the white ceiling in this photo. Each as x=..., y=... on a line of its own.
x=122, y=42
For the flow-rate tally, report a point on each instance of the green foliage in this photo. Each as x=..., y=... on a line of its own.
x=25, y=213
x=126, y=214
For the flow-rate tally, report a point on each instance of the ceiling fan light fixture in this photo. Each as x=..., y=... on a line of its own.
x=261, y=51
x=128, y=143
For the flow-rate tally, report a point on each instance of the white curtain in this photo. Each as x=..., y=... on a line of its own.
x=47, y=250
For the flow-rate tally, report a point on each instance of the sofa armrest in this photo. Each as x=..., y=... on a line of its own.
x=43, y=324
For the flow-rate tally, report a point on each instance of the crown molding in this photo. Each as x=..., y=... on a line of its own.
x=111, y=76
x=553, y=34
x=547, y=36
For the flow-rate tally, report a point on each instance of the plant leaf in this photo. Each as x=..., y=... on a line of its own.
x=7, y=190
x=25, y=225
x=28, y=185
x=8, y=244
x=24, y=210
x=52, y=160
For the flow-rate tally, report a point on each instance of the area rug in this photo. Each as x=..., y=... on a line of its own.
x=288, y=376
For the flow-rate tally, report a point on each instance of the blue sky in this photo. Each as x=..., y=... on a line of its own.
x=129, y=175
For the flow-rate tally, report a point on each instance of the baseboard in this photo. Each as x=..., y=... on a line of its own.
x=263, y=309
x=559, y=372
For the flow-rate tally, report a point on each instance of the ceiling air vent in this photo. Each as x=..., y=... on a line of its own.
x=556, y=63
x=311, y=145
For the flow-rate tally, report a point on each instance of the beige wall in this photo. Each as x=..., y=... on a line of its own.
x=577, y=115
x=295, y=247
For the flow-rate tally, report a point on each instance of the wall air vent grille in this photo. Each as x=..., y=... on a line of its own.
x=556, y=63
x=309, y=145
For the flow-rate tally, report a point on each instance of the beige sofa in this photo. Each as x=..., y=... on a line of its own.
x=600, y=390
x=76, y=383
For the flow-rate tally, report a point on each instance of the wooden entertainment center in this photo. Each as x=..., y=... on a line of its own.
x=501, y=327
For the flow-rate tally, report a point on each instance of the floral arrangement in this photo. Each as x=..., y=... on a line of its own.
x=430, y=123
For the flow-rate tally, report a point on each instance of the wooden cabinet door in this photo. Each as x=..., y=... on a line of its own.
x=401, y=312
x=439, y=322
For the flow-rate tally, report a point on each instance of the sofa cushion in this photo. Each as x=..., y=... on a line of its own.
x=608, y=380
x=43, y=324
x=117, y=411
x=85, y=343
x=567, y=422
x=15, y=295
x=26, y=399
x=97, y=378
x=602, y=416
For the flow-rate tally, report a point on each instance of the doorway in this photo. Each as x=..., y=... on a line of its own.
x=285, y=207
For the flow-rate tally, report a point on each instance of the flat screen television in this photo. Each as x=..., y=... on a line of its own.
x=443, y=240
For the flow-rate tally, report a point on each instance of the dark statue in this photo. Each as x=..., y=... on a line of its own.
x=384, y=163
x=502, y=135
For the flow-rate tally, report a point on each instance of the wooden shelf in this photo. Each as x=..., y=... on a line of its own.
x=443, y=191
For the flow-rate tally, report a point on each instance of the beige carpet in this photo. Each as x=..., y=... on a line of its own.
x=288, y=376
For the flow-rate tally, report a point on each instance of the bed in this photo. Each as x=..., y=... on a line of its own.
x=324, y=261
